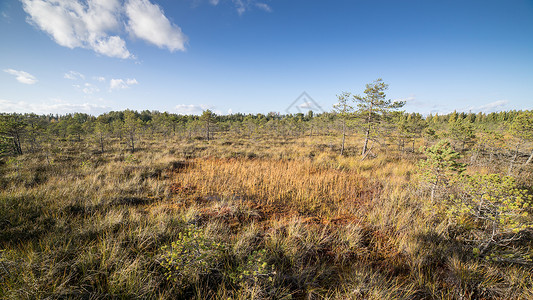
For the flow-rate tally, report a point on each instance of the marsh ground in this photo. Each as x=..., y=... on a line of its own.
x=233, y=218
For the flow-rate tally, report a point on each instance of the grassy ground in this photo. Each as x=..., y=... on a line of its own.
x=233, y=219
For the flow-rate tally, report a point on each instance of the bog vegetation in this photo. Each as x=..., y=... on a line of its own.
x=365, y=202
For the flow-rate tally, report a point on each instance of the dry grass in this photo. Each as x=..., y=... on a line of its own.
x=285, y=186
x=79, y=225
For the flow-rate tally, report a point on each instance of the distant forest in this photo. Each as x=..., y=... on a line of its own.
x=396, y=130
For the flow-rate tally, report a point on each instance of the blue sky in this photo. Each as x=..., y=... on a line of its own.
x=250, y=56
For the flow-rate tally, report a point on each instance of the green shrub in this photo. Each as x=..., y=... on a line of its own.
x=191, y=256
x=256, y=270
x=493, y=208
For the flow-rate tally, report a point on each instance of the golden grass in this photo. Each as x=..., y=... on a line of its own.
x=79, y=225
x=300, y=186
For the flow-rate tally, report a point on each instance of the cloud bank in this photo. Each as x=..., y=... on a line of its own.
x=494, y=106
x=98, y=24
x=52, y=107
x=21, y=76
x=191, y=109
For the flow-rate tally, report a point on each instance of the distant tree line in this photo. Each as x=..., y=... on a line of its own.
x=491, y=135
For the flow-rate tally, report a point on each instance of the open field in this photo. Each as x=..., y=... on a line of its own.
x=252, y=149
x=235, y=218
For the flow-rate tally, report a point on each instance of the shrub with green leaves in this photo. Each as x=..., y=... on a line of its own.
x=194, y=254
x=494, y=208
x=255, y=270
x=255, y=276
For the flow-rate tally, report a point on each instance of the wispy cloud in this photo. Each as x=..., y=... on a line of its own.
x=191, y=109
x=55, y=106
x=98, y=24
x=243, y=6
x=489, y=107
x=73, y=75
x=307, y=105
x=118, y=84
x=5, y=17
x=409, y=100
x=21, y=76
x=99, y=78
x=240, y=5
x=264, y=7
x=87, y=88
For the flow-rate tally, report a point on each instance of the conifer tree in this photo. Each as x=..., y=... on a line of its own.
x=522, y=128
x=441, y=165
x=344, y=110
x=374, y=109
x=208, y=119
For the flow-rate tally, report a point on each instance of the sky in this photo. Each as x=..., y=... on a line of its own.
x=260, y=56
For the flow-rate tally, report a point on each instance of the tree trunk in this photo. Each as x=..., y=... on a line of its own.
x=365, y=145
x=132, y=144
x=102, y=144
x=17, y=145
x=343, y=136
x=367, y=133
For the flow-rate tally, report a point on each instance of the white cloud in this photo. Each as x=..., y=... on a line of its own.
x=489, y=107
x=99, y=78
x=90, y=89
x=148, y=22
x=241, y=6
x=73, y=75
x=191, y=109
x=131, y=81
x=117, y=84
x=410, y=99
x=52, y=107
x=21, y=76
x=98, y=24
x=113, y=46
x=75, y=24
x=264, y=7
x=245, y=5
x=306, y=105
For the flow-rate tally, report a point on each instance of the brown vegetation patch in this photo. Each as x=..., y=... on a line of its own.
x=298, y=186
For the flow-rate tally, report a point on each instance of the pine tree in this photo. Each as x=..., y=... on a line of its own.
x=12, y=127
x=208, y=119
x=373, y=108
x=132, y=124
x=344, y=110
x=441, y=165
x=522, y=128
